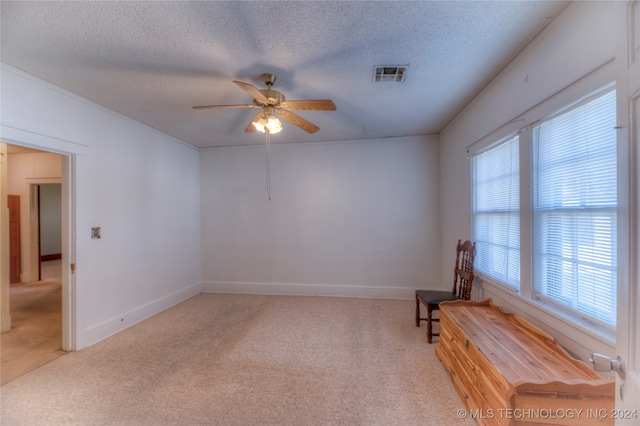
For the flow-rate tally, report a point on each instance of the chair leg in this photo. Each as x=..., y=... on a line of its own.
x=417, y=312
x=429, y=326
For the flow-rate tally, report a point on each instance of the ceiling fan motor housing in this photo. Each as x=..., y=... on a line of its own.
x=268, y=79
x=273, y=96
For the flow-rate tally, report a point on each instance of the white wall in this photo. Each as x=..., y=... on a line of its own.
x=354, y=218
x=580, y=41
x=141, y=186
x=50, y=219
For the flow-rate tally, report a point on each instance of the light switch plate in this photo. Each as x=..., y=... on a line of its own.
x=96, y=232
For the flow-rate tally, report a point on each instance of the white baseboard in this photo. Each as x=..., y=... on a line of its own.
x=330, y=290
x=108, y=328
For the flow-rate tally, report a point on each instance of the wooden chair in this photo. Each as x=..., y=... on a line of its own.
x=462, y=282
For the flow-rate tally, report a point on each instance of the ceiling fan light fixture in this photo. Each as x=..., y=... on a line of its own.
x=268, y=121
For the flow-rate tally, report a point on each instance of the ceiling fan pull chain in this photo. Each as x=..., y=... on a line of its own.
x=269, y=163
x=266, y=158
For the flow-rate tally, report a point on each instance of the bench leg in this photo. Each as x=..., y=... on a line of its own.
x=417, y=312
x=429, y=326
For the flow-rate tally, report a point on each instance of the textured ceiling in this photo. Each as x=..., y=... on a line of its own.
x=153, y=61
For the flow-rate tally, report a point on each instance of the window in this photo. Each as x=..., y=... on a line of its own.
x=575, y=208
x=544, y=210
x=496, y=212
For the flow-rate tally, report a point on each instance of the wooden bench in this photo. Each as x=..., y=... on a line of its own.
x=509, y=372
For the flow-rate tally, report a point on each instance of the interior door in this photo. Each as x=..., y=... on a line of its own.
x=628, y=108
x=14, y=238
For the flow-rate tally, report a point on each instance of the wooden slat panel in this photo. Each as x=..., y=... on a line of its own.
x=478, y=387
x=586, y=400
x=501, y=338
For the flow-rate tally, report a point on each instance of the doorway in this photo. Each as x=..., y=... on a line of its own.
x=15, y=257
x=38, y=315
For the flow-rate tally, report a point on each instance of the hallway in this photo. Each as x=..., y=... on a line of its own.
x=36, y=334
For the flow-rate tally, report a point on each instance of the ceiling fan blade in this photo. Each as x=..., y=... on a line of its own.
x=298, y=121
x=251, y=128
x=252, y=90
x=224, y=106
x=318, y=105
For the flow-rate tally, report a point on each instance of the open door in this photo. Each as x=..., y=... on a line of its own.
x=628, y=109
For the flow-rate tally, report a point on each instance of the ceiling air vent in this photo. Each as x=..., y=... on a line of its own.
x=389, y=73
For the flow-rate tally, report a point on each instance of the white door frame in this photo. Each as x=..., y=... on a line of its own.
x=68, y=253
x=628, y=124
x=5, y=314
x=68, y=193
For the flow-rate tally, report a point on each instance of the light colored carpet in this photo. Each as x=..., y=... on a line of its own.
x=224, y=359
x=36, y=324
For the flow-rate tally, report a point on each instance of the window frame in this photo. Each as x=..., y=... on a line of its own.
x=524, y=300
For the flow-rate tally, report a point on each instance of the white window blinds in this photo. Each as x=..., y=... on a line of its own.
x=496, y=212
x=574, y=209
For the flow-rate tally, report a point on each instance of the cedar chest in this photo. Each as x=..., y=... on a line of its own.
x=508, y=372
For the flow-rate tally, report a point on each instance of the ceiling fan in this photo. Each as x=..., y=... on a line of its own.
x=274, y=105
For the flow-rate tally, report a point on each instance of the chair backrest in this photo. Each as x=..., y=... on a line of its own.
x=463, y=271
